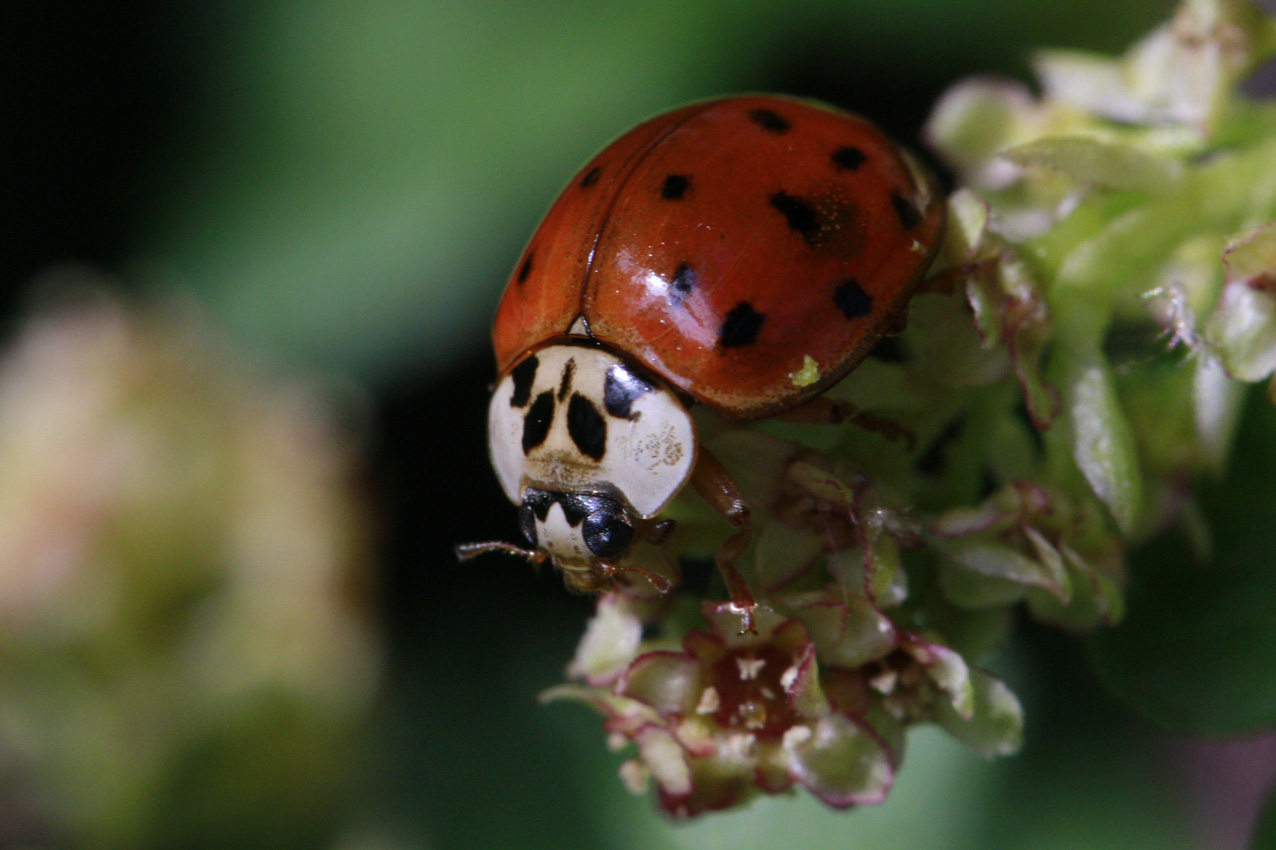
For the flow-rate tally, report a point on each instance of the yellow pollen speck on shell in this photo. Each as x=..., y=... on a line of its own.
x=808, y=374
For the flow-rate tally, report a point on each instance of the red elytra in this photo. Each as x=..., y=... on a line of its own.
x=724, y=243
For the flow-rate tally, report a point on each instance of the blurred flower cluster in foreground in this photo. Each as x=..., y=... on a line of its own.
x=182, y=646
x=1074, y=365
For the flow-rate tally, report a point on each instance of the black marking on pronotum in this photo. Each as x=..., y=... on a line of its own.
x=675, y=187
x=849, y=158
x=907, y=211
x=684, y=280
x=537, y=421
x=768, y=120
x=525, y=270
x=523, y=376
x=851, y=299
x=621, y=389
x=741, y=326
x=565, y=385
x=586, y=427
x=798, y=213
x=590, y=178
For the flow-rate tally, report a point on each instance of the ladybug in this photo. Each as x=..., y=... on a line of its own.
x=744, y=254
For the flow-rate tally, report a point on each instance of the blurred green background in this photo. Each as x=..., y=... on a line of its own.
x=345, y=187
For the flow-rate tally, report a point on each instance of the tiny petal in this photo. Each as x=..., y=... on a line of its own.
x=666, y=760
x=948, y=670
x=839, y=762
x=1102, y=441
x=1049, y=558
x=669, y=682
x=796, y=736
x=636, y=776
x=884, y=682
x=1217, y=402
x=993, y=560
x=961, y=521
x=977, y=118
x=725, y=618
x=1243, y=326
x=994, y=727
x=1091, y=161
x=849, y=633
x=805, y=694
x=749, y=667
x=611, y=641
x=1244, y=330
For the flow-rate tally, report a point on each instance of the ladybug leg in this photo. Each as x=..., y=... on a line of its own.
x=656, y=532
x=662, y=584
x=823, y=410
x=714, y=484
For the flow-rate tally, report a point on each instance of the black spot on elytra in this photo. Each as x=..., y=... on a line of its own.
x=684, y=280
x=590, y=178
x=741, y=326
x=906, y=210
x=523, y=376
x=798, y=213
x=565, y=385
x=849, y=158
x=675, y=187
x=525, y=270
x=851, y=299
x=768, y=120
x=621, y=389
x=537, y=421
x=586, y=427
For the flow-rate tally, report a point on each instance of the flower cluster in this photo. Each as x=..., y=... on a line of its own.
x=1075, y=361
x=181, y=538
x=818, y=697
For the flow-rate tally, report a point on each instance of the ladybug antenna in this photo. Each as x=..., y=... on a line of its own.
x=469, y=551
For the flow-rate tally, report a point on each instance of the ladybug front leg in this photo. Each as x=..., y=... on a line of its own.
x=822, y=410
x=662, y=584
x=714, y=484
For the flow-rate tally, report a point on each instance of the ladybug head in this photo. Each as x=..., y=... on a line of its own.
x=590, y=449
x=579, y=531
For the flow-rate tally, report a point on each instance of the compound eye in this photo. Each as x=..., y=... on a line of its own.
x=608, y=532
x=527, y=522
